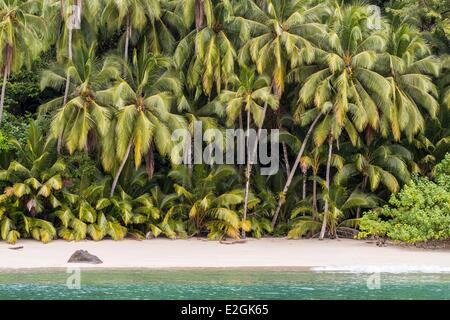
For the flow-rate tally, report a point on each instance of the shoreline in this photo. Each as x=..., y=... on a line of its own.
x=267, y=253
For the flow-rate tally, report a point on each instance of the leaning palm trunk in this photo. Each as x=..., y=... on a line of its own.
x=294, y=168
x=122, y=165
x=327, y=183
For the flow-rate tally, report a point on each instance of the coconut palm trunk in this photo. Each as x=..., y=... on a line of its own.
x=315, y=196
x=80, y=5
x=248, y=171
x=283, y=144
x=187, y=160
x=150, y=162
x=6, y=73
x=363, y=188
x=127, y=39
x=241, y=127
x=2, y=99
x=67, y=88
x=294, y=168
x=122, y=165
x=249, y=164
x=199, y=14
x=327, y=183
x=286, y=159
x=305, y=178
x=62, y=6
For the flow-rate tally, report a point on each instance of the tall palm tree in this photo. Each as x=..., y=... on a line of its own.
x=22, y=38
x=84, y=118
x=279, y=35
x=344, y=77
x=65, y=22
x=144, y=98
x=207, y=54
x=409, y=67
x=252, y=95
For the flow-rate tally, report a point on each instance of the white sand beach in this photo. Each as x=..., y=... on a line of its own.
x=343, y=254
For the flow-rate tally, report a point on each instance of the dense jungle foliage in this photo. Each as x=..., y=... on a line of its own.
x=93, y=90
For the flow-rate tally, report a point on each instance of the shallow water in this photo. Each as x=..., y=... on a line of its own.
x=223, y=284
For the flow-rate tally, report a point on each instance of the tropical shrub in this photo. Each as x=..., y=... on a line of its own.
x=32, y=187
x=4, y=145
x=419, y=212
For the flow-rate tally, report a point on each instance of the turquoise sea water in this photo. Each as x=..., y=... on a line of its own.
x=222, y=284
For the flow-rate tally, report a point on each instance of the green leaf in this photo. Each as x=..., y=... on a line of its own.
x=155, y=230
x=102, y=204
x=96, y=232
x=12, y=237
x=5, y=227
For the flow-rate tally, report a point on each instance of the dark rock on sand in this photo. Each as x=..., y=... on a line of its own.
x=82, y=256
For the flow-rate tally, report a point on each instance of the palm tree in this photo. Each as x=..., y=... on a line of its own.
x=409, y=66
x=280, y=36
x=342, y=203
x=252, y=95
x=84, y=118
x=207, y=54
x=70, y=17
x=144, y=98
x=344, y=77
x=22, y=35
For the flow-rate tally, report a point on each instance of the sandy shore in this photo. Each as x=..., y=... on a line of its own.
x=277, y=253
